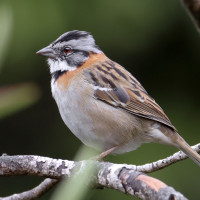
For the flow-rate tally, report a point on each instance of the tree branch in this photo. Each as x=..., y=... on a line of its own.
x=126, y=178
x=122, y=177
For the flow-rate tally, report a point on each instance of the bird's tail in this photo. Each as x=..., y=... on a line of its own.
x=185, y=147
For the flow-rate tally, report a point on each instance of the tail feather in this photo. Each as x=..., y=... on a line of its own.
x=185, y=147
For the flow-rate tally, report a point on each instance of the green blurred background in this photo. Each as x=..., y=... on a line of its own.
x=153, y=39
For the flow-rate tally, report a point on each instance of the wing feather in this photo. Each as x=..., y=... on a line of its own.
x=119, y=88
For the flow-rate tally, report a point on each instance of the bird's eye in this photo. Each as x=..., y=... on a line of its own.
x=67, y=50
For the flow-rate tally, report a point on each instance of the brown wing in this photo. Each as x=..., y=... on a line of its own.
x=117, y=87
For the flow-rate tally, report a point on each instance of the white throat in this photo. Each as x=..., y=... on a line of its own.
x=57, y=65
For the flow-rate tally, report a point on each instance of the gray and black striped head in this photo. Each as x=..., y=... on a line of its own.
x=69, y=51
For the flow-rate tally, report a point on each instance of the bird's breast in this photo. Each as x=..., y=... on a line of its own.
x=94, y=122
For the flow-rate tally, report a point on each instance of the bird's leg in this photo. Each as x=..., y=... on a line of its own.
x=106, y=153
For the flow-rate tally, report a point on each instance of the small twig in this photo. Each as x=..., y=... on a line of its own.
x=160, y=164
x=34, y=193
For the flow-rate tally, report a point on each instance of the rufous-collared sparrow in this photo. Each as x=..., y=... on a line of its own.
x=101, y=102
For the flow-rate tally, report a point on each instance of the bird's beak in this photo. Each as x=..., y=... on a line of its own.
x=47, y=51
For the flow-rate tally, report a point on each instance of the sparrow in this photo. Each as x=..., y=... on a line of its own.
x=103, y=104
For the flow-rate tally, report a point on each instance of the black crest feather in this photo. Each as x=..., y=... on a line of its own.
x=73, y=35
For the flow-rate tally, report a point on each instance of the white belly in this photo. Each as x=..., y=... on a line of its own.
x=94, y=122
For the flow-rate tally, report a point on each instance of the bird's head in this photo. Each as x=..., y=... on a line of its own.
x=69, y=51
